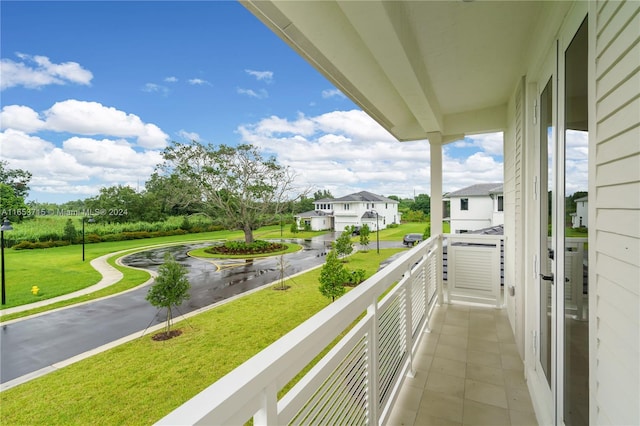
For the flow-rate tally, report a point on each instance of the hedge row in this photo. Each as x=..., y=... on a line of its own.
x=121, y=236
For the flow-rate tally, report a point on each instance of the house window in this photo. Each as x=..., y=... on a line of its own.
x=464, y=204
x=500, y=203
x=346, y=206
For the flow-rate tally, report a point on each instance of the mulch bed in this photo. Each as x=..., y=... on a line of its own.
x=159, y=337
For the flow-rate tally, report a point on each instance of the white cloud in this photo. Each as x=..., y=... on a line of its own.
x=260, y=94
x=171, y=79
x=266, y=76
x=330, y=93
x=80, y=165
x=19, y=117
x=114, y=154
x=198, y=82
x=459, y=173
x=343, y=151
x=155, y=88
x=18, y=145
x=38, y=71
x=189, y=136
x=491, y=143
x=93, y=118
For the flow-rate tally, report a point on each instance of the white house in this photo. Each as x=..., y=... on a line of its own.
x=561, y=80
x=580, y=218
x=355, y=209
x=476, y=207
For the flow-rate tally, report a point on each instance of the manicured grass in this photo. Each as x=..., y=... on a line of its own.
x=64, y=271
x=396, y=234
x=142, y=381
x=60, y=270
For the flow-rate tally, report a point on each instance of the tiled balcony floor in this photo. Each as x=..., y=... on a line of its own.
x=468, y=372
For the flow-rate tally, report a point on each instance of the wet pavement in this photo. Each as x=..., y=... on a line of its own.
x=38, y=343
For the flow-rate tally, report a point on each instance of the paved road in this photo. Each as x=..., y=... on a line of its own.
x=36, y=343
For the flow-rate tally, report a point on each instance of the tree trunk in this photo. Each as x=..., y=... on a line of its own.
x=168, y=319
x=248, y=234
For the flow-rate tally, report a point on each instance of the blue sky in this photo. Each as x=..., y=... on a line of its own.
x=93, y=91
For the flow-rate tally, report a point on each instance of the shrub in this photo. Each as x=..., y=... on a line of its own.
x=355, y=277
x=241, y=247
x=28, y=245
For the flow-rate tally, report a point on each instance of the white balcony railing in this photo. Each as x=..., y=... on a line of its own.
x=381, y=322
x=358, y=379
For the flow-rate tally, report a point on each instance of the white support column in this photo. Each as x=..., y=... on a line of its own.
x=435, y=146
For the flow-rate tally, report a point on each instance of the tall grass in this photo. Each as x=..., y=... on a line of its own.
x=51, y=228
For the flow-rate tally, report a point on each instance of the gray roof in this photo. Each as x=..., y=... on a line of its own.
x=314, y=213
x=478, y=189
x=364, y=196
x=493, y=230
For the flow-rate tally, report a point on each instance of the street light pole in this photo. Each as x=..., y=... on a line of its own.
x=377, y=232
x=83, y=220
x=6, y=226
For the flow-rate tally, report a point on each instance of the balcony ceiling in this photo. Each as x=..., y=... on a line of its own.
x=414, y=66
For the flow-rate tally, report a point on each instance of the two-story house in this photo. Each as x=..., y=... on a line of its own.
x=476, y=207
x=580, y=218
x=355, y=209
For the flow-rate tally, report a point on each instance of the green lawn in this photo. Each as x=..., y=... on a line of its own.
x=141, y=381
x=60, y=270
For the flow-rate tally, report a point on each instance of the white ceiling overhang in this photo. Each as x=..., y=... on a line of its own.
x=414, y=66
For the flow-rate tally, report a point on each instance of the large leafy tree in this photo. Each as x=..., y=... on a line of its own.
x=319, y=195
x=115, y=204
x=173, y=195
x=237, y=186
x=14, y=188
x=10, y=204
x=17, y=179
x=422, y=203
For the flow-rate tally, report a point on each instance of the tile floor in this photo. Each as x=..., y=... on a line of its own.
x=468, y=372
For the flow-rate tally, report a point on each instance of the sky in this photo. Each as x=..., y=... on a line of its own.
x=92, y=92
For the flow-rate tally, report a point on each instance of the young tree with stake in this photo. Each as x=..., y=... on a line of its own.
x=171, y=287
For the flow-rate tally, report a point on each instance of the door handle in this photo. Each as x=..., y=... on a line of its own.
x=547, y=277
x=551, y=278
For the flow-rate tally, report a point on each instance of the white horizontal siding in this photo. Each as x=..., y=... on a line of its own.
x=618, y=221
x=625, y=145
x=615, y=232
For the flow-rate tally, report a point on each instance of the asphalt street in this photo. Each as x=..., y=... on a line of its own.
x=36, y=343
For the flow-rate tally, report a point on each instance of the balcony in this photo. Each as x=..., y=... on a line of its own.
x=468, y=371
x=388, y=352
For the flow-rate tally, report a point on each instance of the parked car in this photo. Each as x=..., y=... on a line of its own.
x=355, y=230
x=411, y=239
